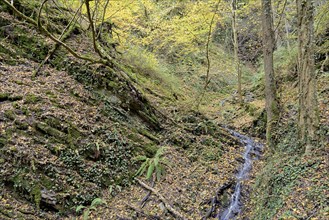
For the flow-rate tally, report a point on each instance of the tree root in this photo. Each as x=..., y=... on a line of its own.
x=173, y=211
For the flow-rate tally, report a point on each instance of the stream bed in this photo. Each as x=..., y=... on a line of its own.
x=252, y=152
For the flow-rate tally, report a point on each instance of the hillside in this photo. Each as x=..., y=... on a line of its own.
x=143, y=119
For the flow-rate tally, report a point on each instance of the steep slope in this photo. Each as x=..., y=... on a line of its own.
x=70, y=134
x=63, y=141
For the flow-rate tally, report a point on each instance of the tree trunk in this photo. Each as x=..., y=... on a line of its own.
x=272, y=110
x=308, y=120
x=236, y=50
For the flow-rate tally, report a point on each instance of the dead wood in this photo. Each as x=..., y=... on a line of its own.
x=144, y=200
x=170, y=208
x=214, y=201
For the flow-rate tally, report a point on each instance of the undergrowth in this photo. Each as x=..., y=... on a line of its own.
x=291, y=184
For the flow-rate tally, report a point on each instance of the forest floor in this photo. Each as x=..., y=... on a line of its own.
x=57, y=131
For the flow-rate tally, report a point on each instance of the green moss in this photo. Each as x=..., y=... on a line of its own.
x=148, y=149
x=46, y=182
x=3, y=142
x=36, y=195
x=22, y=125
x=4, y=97
x=148, y=135
x=10, y=114
x=50, y=94
x=54, y=123
x=32, y=99
x=15, y=105
x=73, y=135
x=44, y=128
x=19, y=82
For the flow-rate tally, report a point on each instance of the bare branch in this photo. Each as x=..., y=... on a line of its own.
x=103, y=18
x=208, y=56
x=39, y=14
x=52, y=37
x=163, y=199
x=92, y=28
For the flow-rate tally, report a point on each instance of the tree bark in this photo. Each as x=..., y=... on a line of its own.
x=308, y=119
x=272, y=108
x=236, y=49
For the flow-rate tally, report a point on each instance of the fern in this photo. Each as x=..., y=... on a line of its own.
x=86, y=210
x=154, y=164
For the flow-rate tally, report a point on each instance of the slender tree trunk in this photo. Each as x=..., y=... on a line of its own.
x=272, y=110
x=308, y=120
x=287, y=33
x=236, y=50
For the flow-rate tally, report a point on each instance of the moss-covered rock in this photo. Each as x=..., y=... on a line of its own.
x=46, y=129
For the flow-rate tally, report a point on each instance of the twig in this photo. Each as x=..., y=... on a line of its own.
x=207, y=56
x=163, y=199
x=103, y=18
x=275, y=30
x=144, y=200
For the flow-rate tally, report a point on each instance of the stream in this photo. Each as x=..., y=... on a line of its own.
x=252, y=152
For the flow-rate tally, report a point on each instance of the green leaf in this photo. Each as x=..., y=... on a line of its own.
x=140, y=158
x=79, y=208
x=96, y=202
x=142, y=169
x=111, y=189
x=150, y=170
x=86, y=214
x=158, y=172
x=156, y=161
x=160, y=151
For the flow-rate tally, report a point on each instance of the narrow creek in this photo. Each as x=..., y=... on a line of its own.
x=252, y=152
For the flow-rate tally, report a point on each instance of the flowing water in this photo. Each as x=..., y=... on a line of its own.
x=252, y=152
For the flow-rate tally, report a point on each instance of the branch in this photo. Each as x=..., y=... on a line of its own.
x=52, y=51
x=103, y=18
x=92, y=28
x=39, y=14
x=277, y=26
x=207, y=55
x=163, y=199
x=52, y=37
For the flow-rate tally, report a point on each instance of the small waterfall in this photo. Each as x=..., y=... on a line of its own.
x=251, y=148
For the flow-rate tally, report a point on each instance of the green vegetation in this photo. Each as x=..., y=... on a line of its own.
x=86, y=210
x=116, y=96
x=153, y=165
